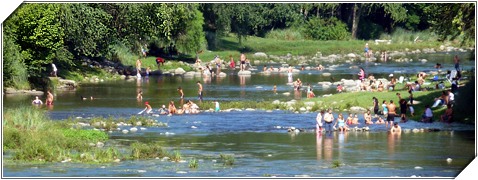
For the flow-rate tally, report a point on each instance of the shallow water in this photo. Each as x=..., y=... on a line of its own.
x=259, y=140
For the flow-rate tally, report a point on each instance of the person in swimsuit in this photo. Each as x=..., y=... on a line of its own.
x=37, y=101
x=147, y=109
x=181, y=93
x=199, y=90
x=328, y=119
x=391, y=113
x=243, y=61
x=232, y=64
x=49, y=98
x=396, y=128
x=172, y=108
x=341, y=123
x=368, y=117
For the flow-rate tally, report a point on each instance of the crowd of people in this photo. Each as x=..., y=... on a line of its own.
x=384, y=113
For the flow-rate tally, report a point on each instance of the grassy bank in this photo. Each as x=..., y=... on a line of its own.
x=280, y=47
x=31, y=137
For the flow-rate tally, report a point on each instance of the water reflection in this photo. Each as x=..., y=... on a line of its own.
x=392, y=140
x=328, y=146
x=319, y=147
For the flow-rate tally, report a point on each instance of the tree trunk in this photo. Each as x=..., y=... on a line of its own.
x=355, y=19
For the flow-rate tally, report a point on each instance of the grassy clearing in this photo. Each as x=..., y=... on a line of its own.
x=277, y=44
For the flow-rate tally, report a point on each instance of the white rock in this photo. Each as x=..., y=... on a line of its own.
x=133, y=129
x=125, y=131
x=142, y=128
x=326, y=74
x=100, y=144
x=194, y=127
x=286, y=93
x=260, y=54
x=141, y=171
x=179, y=71
x=448, y=160
x=418, y=167
x=181, y=172
x=244, y=72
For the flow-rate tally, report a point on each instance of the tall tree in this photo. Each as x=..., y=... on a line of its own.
x=395, y=10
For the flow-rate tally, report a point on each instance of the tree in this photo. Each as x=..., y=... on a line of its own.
x=39, y=34
x=86, y=29
x=395, y=10
x=453, y=19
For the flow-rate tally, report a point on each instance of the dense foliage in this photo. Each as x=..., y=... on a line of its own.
x=38, y=34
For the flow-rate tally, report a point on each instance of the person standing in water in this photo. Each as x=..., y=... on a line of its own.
x=49, y=98
x=37, y=101
x=199, y=90
x=181, y=93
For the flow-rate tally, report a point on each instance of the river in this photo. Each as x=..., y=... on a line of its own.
x=258, y=139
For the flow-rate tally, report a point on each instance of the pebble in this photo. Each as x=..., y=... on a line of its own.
x=193, y=127
x=125, y=131
x=418, y=167
x=141, y=171
x=133, y=129
x=448, y=160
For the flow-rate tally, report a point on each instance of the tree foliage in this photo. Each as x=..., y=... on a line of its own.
x=38, y=34
x=450, y=20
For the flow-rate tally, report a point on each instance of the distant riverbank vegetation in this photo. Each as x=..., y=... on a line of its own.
x=70, y=34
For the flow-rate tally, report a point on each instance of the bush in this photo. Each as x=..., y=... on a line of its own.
x=326, y=29
x=142, y=150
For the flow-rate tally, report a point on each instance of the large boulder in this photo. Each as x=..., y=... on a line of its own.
x=260, y=54
x=244, y=72
x=179, y=71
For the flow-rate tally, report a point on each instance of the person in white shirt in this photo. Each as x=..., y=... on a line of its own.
x=318, y=120
x=427, y=115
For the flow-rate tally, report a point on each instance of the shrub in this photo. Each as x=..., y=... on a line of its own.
x=193, y=163
x=142, y=150
x=326, y=29
x=228, y=160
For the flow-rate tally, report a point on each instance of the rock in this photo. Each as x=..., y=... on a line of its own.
x=276, y=102
x=116, y=160
x=326, y=74
x=139, y=123
x=351, y=55
x=302, y=109
x=222, y=74
x=179, y=71
x=250, y=109
x=260, y=54
x=124, y=131
x=100, y=144
x=133, y=129
x=357, y=109
x=286, y=93
x=418, y=167
x=449, y=160
x=244, y=72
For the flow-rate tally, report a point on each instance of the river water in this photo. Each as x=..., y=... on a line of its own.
x=258, y=139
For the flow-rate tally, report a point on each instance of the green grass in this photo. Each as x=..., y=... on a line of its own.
x=143, y=151
x=193, y=163
x=227, y=160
